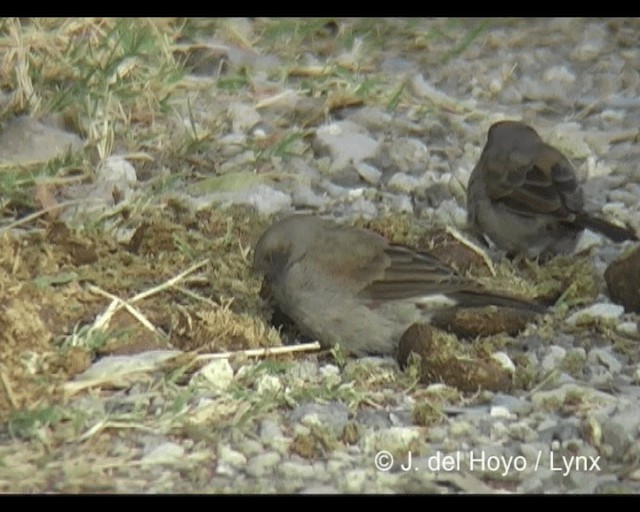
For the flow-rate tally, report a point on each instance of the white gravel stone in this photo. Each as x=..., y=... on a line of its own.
x=501, y=412
x=504, y=361
x=559, y=74
x=602, y=311
x=392, y=439
x=553, y=359
x=499, y=432
x=250, y=447
x=218, y=374
x=402, y=182
x=605, y=358
x=263, y=464
x=345, y=144
x=166, y=453
x=229, y=460
x=243, y=117
x=408, y=154
x=304, y=196
x=298, y=470
x=368, y=172
x=354, y=480
x=117, y=170
x=268, y=385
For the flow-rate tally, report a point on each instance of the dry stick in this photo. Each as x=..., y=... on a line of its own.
x=195, y=296
x=78, y=385
x=105, y=424
x=118, y=303
x=262, y=352
x=40, y=213
x=7, y=388
x=474, y=247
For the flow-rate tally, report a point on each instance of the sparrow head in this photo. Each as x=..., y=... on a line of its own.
x=284, y=243
x=506, y=137
x=507, y=128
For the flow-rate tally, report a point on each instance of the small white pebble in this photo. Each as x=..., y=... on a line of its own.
x=504, y=361
x=269, y=384
x=628, y=328
x=499, y=411
x=601, y=311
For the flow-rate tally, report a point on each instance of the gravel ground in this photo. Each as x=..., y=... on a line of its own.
x=577, y=81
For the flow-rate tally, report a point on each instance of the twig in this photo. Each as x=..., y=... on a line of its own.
x=105, y=424
x=474, y=247
x=195, y=296
x=168, y=284
x=7, y=388
x=40, y=213
x=262, y=352
x=118, y=303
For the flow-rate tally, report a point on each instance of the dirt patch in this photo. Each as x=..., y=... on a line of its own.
x=50, y=280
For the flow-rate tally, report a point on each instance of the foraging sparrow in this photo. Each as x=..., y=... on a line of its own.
x=349, y=286
x=524, y=195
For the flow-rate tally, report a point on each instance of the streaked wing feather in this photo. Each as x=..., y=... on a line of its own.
x=412, y=274
x=527, y=189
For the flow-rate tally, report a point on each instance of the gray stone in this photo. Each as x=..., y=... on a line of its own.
x=333, y=415
x=263, y=464
x=24, y=139
x=346, y=143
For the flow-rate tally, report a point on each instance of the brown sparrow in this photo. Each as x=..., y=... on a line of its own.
x=524, y=195
x=349, y=286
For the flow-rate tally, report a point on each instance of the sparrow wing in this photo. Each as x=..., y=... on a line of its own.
x=407, y=274
x=534, y=182
x=412, y=275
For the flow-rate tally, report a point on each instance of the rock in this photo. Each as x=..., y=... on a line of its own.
x=442, y=359
x=601, y=311
x=218, y=374
x=265, y=199
x=369, y=173
x=394, y=440
x=25, y=139
x=268, y=385
x=229, y=460
x=408, y=154
x=263, y=464
x=378, y=419
x=333, y=415
x=402, y=182
x=552, y=360
x=166, y=453
x=605, y=358
x=623, y=280
x=297, y=470
x=345, y=144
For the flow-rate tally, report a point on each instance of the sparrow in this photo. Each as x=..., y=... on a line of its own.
x=349, y=286
x=524, y=195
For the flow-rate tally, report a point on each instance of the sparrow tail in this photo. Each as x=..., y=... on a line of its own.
x=615, y=233
x=471, y=298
